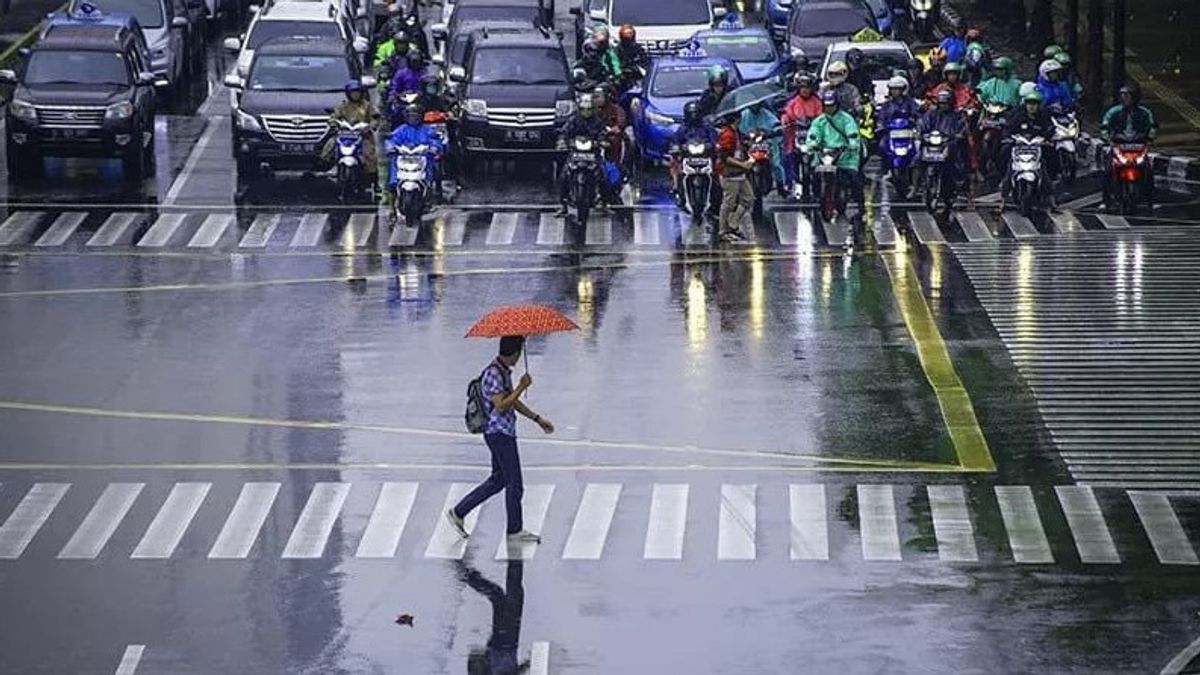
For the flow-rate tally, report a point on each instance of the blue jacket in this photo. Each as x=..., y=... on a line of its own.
x=1056, y=93
x=701, y=131
x=406, y=79
x=893, y=109
x=406, y=135
x=956, y=49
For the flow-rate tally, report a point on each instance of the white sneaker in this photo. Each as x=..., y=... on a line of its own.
x=524, y=537
x=457, y=523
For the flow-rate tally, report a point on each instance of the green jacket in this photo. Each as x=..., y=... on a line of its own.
x=354, y=112
x=1139, y=122
x=997, y=90
x=837, y=131
x=384, y=51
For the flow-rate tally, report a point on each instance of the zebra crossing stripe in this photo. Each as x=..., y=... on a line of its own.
x=19, y=226
x=403, y=235
x=29, y=516
x=737, y=523
x=539, y=659
x=835, y=231
x=973, y=226
x=877, y=522
x=1088, y=528
x=163, y=230
x=61, y=229
x=311, y=231
x=450, y=230
x=361, y=228
x=810, y=529
x=116, y=229
x=316, y=521
x=1162, y=527
x=551, y=230
x=392, y=509
x=130, y=660
x=171, y=522
x=598, y=230
x=787, y=226
x=535, y=505
x=647, y=228
x=1112, y=222
x=211, y=230
x=668, y=520
x=885, y=230
x=100, y=523
x=446, y=542
x=952, y=523
x=245, y=520
x=924, y=226
x=1019, y=225
x=592, y=521
x=260, y=231
x=503, y=229
x=1065, y=222
x=1025, y=533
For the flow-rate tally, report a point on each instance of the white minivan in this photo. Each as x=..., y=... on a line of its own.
x=663, y=26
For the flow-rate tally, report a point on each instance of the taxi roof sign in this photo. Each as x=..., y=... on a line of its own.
x=87, y=10
x=732, y=21
x=692, y=50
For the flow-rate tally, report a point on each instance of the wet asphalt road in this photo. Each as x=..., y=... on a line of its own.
x=233, y=450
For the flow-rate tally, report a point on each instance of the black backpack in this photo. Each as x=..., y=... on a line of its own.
x=477, y=413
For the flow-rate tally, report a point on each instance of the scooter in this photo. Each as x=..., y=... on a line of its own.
x=696, y=178
x=583, y=158
x=1066, y=135
x=833, y=196
x=412, y=183
x=939, y=183
x=761, y=178
x=805, y=188
x=1130, y=164
x=1026, y=173
x=991, y=128
x=900, y=152
x=351, y=174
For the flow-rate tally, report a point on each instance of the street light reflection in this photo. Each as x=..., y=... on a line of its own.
x=1122, y=292
x=757, y=294
x=935, y=275
x=697, y=312
x=585, y=305
x=1139, y=253
x=1026, y=322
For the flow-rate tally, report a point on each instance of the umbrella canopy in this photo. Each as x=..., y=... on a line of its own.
x=747, y=95
x=523, y=320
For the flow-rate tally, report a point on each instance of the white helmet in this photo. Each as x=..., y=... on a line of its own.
x=898, y=82
x=837, y=73
x=1025, y=88
x=1049, y=66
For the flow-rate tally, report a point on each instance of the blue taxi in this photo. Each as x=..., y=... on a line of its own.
x=657, y=108
x=751, y=49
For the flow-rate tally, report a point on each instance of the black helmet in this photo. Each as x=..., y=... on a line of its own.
x=854, y=58
x=591, y=48
x=414, y=109
x=430, y=84
x=691, y=112
x=415, y=58
x=1134, y=92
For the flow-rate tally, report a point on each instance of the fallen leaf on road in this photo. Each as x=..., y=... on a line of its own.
x=405, y=620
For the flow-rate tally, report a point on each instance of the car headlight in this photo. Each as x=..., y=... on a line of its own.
x=119, y=111
x=23, y=110
x=564, y=108
x=475, y=107
x=659, y=118
x=247, y=121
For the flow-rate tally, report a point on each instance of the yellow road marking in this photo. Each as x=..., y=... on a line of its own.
x=957, y=411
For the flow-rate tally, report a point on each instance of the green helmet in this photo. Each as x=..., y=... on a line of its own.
x=717, y=72
x=1063, y=58
x=1033, y=96
x=1002, y=63
x=1049, y=52
x=953, y=67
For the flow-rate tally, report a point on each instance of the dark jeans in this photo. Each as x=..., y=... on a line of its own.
x=506, y=475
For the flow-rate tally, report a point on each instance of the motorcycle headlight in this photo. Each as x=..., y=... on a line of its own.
x=247, y=122
x=659, y=118
x=119, y=111
x=564, y=108
x=23, y=110
x=695, y=148
x=475, y=107
x=922, y=5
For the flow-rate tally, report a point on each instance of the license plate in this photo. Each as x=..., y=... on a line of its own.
x=902, y=133
x=298, y=148
x=522, y=136
x=68, y=133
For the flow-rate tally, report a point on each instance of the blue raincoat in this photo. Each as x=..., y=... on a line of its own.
x=407, y=135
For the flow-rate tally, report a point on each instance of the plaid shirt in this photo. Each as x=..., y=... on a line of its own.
x=497, y=379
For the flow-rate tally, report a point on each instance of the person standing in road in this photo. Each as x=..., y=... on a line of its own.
x=502, y=402
x=737, y=193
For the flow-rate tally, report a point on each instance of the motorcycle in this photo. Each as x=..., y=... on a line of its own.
x=1130, y=164
x=351, y=172
x=900, y=152
x=761, y=178
x=412, y=183
x=922, y=15
x=696, y=177
x=806, y=188
x=991, y=128
x=583, y=158
x=939, y=181
x=1026, y=174
x=1066, y=134
x=833, y=197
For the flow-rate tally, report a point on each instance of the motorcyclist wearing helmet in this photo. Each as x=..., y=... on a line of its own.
x=914, y=72
x=693, y=129
x=718, y=86
x=961, y=92
x=635, y=60
x=837, y=129
x=952, y=124
x=600, y=60
x=759, y=116
x=433, y=96
x=858, y=75
x=1030, y=120
x=1055, y=91
x=1070, y=76
x=849, y=96
x=390, y=55
x=585, y=122
x=800, y=110
x=355, y=109
x=408, y=25
x=976, y=65
x=1131, y=122
x=1002, y=88
x=408, y=77
x=934, y=74
x=955, y=44
x=899, y=105
x=614, y=119
x=413, y=133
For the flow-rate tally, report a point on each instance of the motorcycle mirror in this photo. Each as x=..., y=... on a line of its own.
x=8, y=76
x=179, y=22
x=232, y=44
x=233, y=81
x=369, y=81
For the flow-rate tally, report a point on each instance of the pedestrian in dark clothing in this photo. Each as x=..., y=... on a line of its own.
x=508, y=603
x=502, y=402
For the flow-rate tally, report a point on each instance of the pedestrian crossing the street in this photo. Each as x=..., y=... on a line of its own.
x=645, y=228
x=1104, y=330
x=660, y=522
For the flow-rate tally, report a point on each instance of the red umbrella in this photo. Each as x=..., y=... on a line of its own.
x=524, y=320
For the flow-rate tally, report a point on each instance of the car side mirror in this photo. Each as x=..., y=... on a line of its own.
x=360, y=45
x=597, y=15
x=8, y=76
x=457, y=73
x=145, y=79
x=179, y=22
x=361, y=13
x=438, y=30
x=719, y=12
x=438, y=60
x=254, y=9
x=368, y=81
x=232, y=44
x=233, y=81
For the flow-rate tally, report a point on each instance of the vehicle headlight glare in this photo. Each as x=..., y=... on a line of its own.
x=119, y=111
x=23, y=111
x=659, y=118
x=247, y=121
x=564, y=108
x=475, y=107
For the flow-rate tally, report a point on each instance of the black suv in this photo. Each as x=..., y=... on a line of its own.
x=282, y=113
x=515, y=91
x=84, y=90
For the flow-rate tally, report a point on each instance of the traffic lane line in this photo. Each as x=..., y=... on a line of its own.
x=212, y=125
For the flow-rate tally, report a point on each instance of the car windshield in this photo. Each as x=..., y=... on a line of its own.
x=677, y=82
x=879, y=65
x=149, y=13
x=756, y=48
x=299, y=73
x=521, y=65
x=54, y=67
x=828, y=22
x=269, y=30
x=660, y=12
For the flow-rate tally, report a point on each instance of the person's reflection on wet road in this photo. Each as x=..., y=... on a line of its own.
x=500, y=658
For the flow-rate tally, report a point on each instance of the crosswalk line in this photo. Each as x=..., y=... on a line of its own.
x=316, y=521
x=117, y=229
x=539, y=658
x=809, y=525
x=835, y=231
x=551, y=230
x=101, y=522
x=534, y=507
x=211, y=230
x=885, y=230
x=668, y=521
x=1162, y=527
x=877, y=522
x=1112, y=222
x=1019, y=225
x=952, y=523
x=311, y=231
x=1065, y=222
x=925, y=227
x=171, y=522
x=241, y=527
x=592, y=521
x=450, y=230
x=503, y=229
x=403, y=235
x=446, y=542
x=1086, y=520
x=61, y=229
x=737, y=523
x=29, y=516
x=392, y=509
x=647, y=228
x=163, y=230
x=973, y=226
x=19, y=226
x=360, y=228
x=788, y=225
x=1025, y=533
x=598, y=230
x=259, y=234
x=130, y=660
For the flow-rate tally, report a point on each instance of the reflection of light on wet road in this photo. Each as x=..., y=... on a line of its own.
x=438, y=236
x=585, y=293
x=1026, y=325
x=1139, y=253
x=826, y=281
x=697, y=312
x=757, y=294
x=1122, y=292
x=935, y=274
x=410, y=278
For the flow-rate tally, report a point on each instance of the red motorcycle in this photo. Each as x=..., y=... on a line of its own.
x=760, y=176
x=1129, y=174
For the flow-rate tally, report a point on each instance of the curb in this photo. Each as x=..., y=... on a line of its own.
x=1170, y=166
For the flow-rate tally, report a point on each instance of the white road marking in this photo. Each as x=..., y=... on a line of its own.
x=1092, y=538
x=403, y=235
x=592, y=521
x=1112, y=222
x=534, y=507
x=241, y=528
x=835, y=231
x=100, y=523
x=809, y=522
x=211, y=230
x=952, y=523
x=551, y=230
x=1162, y=526
x=311, y=231
x=163, y=230
x=502, y=229
x=1025, y=533
x=599, y=230
x=738, y=523
x=116, y=229
x=668, y=521
x=130, y=660
x=392, y=509
x=453, y=229
x=362, y=227
x=925, y=227
x=885, y=230
x=29, y=516
x=316, y=521
x=877, y=522
x=61, y=229
x=1065, y=222
x=171, y=522
x=19, y=226
x=787, y=226
x=647, y=228
x=973, y=226
x=259, y=234
x=1181, y=660
x=539, y=659
x=1019, y=225
x=211, y=126
x=1083, y=202
x=445, y=542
